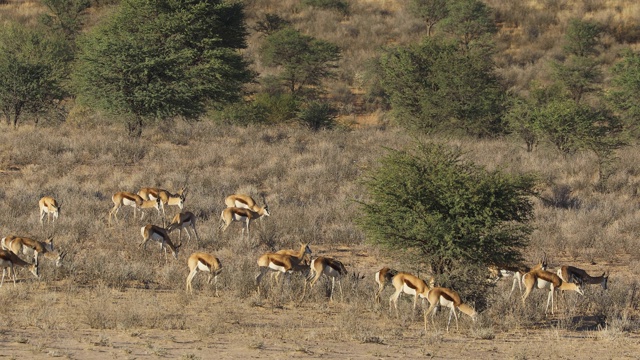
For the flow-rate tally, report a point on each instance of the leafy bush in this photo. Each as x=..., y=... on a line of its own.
x=317, y=116
x=440, y=210
x=339, y=5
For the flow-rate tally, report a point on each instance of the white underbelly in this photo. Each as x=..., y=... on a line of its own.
x=128, y=202
x=275, y=267
x=203, y=267
x=543, y=284
x=331, y=272
x=407, y=290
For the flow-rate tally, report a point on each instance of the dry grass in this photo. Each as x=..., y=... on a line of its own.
x=310, y=180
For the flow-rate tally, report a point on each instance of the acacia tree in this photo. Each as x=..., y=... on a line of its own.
x=304, y=60
x=33, y=68
x=157, y=59
x=625, y=91
x=431, y=11
x=440, y=208
x=437, y=209
x=439, y=85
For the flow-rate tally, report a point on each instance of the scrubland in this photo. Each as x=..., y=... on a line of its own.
x=112, y=297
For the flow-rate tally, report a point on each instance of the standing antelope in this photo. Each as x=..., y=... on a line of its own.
x=302, y=266
x=129, y=199
x=25, y=245
x=517, y=271
x=409, y=284
x=547, y=280
x=383, y=277
x=280, y=262
x=181, y=221
x=200, y=261
x=574, y=274
x=331, y=268
x=8, y=260
x=156, y=233
x=49, y=207
x=246, y=202
x=165, y=197
x=232, y=214
x=447, y=298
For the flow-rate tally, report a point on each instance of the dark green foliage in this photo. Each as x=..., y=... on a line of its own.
x=33, y=68
x=580, y=76
x=469, y=20
x=163, y=58
x=440, y=86
x=626, y=89
x=305, y=61
x=277, y=107
x=582, y=38
x=65, y=16
x=438, y=209
x=431, y=11
x=318, y=115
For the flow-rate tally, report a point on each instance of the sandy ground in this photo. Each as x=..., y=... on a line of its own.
x=203, y=327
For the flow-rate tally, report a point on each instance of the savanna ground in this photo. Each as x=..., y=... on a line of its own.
x=112, y=299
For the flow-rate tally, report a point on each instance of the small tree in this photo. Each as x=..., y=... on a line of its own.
x=469, y=20
x=625, y=91
x=158, y=59
x=304, y=60
x=440, y=86
x=438, y=209
x=431, y=11
x=33, y=68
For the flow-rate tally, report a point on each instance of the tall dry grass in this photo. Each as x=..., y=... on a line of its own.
x=310, y=181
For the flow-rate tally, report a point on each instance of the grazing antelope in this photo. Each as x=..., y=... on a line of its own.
x=25, y=245
x=547, y=280
x=409, y=284
x=383, y=277
x=574, y=274
x=447, y=298
x=200, y=261
x=232, y=214
x=281, y=262
x=8, y=260
x=129, y=199
x=156, y=233
x=181, y=221
x=165, y=197
x=331, y=268
x=517, y=271
x=246, y=202
x=302, y=266
x=49, y=207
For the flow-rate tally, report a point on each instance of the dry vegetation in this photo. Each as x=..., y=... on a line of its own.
x=111, y=298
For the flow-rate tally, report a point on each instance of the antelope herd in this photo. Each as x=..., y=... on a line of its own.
x=244, y=209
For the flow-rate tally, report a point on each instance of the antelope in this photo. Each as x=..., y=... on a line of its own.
x=156, y=233
x=547, y=280
x=331, y=268
x=181, y=221
x=574, y=274
x=280, y=262
x=302, y=266
x=165, y=197
x=50, y=208
x=129, y=199
x=8, y=260
x=447, y=298
x=383, y=277
x=200, y=261
x=409, y=284
x=25, y=245
x=232, y=214
x=517, y=271
x=246, y=202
